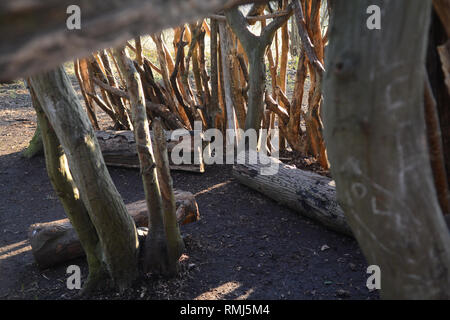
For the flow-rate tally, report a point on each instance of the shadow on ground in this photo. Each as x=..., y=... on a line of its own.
x=245, y=246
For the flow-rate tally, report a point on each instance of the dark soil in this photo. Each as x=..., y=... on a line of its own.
x=245, y=247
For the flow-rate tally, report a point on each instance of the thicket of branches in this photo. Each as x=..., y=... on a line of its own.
x=221, y=82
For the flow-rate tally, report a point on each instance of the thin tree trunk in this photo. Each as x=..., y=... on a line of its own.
x=87, y=86
x=255, y=47
x=61, y=178
x=175, y=244
x=214, y=108
x=155, y=248
x=139, y=55
x=165, y=72
x=227, y=89
x=35, y=147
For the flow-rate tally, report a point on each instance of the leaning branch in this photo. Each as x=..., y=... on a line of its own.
x=306, y=40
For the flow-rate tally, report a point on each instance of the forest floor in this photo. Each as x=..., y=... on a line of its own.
x=245, y=246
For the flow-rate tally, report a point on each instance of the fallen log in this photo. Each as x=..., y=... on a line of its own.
x=119, y=150
x=56, y=242
x=305, y=192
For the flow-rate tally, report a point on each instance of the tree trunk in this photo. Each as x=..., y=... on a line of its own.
x=175, y=244
x=305, y=192
x=225, y=44
x=68, y=193
x=440, y=92
x=255, y=47
x=257, y=87
x=86, y=85
x=214, y=109
x=156, y=255
x=115, y=228
x=375, y=132
x=35, y=147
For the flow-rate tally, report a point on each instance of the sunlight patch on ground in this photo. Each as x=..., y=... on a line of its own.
x=216, y=186
x=220, y=292
x=14, y=249
x=247, y=294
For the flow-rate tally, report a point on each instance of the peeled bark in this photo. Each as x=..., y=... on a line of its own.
x=115, y=228
x=225, y=44
x=213, y=110
x=282, y=80
x=86, y=85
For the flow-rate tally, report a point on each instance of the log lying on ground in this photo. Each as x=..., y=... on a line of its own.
x=305, y=192
x=57, y=242
x=119, y=150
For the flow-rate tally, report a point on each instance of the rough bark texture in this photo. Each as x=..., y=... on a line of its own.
x=35, y=37
x=255, y=47
x=68, y=193
x=308, y=193
x=175, y=244
x=214, y=108
x=435, y=149
x=115, y=228
x=375, y=132
x=156, y=259
x=57, y=242
x=226, y=43
x=35, y=147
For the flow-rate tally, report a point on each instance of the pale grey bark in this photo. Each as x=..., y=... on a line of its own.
x=156, y=256
x=255, y=47
x=375, y=133
x=307, y=193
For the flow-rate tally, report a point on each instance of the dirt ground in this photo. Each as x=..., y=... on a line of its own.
x=245, y=246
